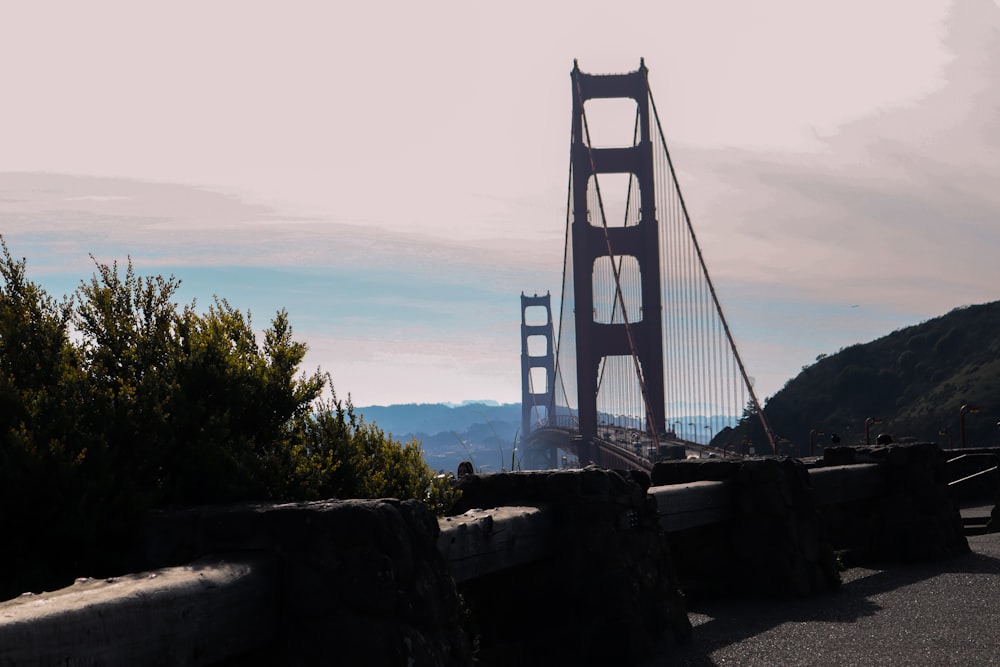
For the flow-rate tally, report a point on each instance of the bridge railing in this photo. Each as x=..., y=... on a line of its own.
x=567, y=421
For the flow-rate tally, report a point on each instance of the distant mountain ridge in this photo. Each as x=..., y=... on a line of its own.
x=481, y=432
x=430, y=418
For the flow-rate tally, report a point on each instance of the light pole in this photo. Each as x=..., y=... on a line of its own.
x=868, y=423
x=961, y=422
x=812, y=438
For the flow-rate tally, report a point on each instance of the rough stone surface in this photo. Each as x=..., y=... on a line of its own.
x=774, y=546
x=917, y=519
x=362, y=581
x=203, y=613
x=607, y=595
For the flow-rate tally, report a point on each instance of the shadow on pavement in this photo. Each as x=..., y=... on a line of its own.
x=722, y=623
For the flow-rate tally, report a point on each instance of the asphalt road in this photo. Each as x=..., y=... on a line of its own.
x=944, y=612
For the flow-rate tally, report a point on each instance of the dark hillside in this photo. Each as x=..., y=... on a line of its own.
x=915, y=380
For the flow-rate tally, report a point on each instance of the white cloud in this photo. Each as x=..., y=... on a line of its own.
x=899, y=208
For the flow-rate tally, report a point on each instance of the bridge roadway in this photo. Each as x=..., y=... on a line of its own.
x=621, y=448
x=943, y=612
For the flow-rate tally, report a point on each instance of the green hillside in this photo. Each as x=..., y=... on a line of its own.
x=915, y=380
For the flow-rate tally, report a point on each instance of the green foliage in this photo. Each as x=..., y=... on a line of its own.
x=334, y=453
x=441, y=495
x=40, y=444
x=118, y=401
x=914, y=380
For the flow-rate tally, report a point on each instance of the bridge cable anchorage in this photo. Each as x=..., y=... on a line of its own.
x=616, y=272
x=704, y=270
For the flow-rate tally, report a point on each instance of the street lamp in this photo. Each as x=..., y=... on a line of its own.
x=868, y=423
x=961, y=422
x=812, y=438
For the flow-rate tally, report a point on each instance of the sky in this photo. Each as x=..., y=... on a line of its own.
x=394, y=174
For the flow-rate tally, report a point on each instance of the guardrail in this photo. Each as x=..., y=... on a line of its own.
x=835, y=485
x=208, y=611
x=994, y=458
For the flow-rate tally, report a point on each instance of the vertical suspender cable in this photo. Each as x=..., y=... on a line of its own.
x=711, y=287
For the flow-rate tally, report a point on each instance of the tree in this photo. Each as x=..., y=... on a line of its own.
x=41, y=446
x=335, y=453
x=149, y=405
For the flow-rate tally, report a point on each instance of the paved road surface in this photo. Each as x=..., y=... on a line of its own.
x=944, y=612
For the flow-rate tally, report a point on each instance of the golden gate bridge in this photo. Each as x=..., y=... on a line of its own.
x=639, y=362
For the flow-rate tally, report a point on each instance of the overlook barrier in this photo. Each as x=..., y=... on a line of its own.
x=586, y=565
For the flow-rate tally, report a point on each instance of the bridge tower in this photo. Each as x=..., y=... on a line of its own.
x=638, y=334
x=536, y=402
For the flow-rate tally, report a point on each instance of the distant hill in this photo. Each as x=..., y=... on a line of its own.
x=481, y=432
x=915, y=380
x=414, y=418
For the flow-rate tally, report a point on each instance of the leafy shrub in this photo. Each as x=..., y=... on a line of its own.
x=117, y=401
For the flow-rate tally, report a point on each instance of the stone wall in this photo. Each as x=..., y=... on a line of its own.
x=362, y=581
x=606, y=595
x=917, y=519
x=774, y=545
